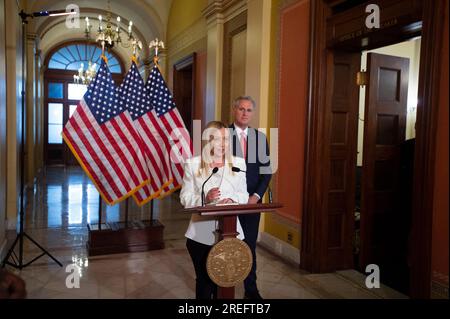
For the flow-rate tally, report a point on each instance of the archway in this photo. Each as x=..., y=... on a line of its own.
x=61, y=93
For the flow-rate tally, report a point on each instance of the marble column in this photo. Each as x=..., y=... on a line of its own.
x=13, y=41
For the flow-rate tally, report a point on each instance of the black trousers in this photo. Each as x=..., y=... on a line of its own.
x=205, y=288
x=250, y=226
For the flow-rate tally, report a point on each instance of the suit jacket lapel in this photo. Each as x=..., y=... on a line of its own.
x=236, y=145
x=252, y=144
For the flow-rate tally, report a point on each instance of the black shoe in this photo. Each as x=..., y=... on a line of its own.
x=252, y=295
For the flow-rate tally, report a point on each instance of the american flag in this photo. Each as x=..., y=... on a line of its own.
x=178, y=142
x=102, y=137
x=133, y=98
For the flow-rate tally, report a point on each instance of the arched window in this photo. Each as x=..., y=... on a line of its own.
x=62, y=94
x=71, y=56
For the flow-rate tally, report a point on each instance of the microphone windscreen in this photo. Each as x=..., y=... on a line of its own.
x=215, y=170
x=236, y=169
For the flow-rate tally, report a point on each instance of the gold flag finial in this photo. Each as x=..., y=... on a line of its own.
x=157, y=44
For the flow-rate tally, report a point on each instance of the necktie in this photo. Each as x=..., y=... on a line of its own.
x=244, y=144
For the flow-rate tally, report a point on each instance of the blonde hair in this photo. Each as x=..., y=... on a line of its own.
x=204, y=162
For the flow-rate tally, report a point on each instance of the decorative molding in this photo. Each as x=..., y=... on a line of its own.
x=185, y=62
x=425, y=150
x=231, y=28
x=220, y=11
x=312, y=247
x=279, y=247
x=194, y=33
x=51, y=24
x=32, y=36
x=48, y=24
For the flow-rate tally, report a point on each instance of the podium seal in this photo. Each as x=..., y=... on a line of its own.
x=229, y=262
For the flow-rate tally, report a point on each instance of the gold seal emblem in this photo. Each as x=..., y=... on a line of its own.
x=229, y=262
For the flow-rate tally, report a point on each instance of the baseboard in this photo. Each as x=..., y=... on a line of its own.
x=11, y=224
x=439, y=290
x=279, y=247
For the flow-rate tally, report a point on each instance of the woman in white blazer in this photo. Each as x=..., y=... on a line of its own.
x=224, y=187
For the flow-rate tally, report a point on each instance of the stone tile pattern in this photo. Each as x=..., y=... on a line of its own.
x=64, y=200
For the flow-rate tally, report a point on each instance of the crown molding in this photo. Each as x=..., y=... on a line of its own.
x=220, y=11
x=196, y=32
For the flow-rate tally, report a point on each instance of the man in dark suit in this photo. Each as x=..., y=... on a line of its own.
x=252, y=145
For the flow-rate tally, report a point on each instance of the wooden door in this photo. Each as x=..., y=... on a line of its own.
x=340, y=160
x=384, y=132
x=184, y=88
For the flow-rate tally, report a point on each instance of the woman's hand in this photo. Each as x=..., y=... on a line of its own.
x=226, y=201
x=213, y=194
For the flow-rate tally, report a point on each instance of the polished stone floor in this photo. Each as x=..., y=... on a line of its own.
x=64, y=201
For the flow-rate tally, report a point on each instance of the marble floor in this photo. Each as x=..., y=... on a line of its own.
x=64, y=201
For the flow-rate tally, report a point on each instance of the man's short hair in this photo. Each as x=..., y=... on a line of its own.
x=244, y=98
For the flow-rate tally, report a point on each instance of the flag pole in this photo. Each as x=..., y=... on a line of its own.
x=155, y=44
x=99, y=212
x=126, y=212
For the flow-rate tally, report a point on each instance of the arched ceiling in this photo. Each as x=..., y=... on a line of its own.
x=149, y=21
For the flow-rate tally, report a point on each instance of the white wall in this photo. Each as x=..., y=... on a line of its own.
x=408, y=49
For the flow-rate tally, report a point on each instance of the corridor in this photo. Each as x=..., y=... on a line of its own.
x=64, y=201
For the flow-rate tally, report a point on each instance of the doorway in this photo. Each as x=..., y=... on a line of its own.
x=184, y=88
x=385, y=157
x=62, y=98
x=338, y=34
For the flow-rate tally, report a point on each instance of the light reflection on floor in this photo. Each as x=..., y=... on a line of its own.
x=64, y=201
x=65, y=197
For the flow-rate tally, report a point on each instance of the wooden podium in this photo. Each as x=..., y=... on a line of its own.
x=227, y=226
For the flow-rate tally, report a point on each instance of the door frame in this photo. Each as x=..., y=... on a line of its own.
x=189, y=61
x=313, y=250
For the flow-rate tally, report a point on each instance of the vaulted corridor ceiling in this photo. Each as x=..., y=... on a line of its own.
x=149, y=21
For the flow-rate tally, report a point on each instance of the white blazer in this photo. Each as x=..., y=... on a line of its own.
x=232, y=185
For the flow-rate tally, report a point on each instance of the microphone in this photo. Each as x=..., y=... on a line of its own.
x=215, y=170
x=237, y=170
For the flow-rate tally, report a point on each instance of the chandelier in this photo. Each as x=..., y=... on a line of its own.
x=109, y=35
x=85, y=76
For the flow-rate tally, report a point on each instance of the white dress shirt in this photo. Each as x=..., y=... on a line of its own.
x=231, y=184
x=239, y=131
